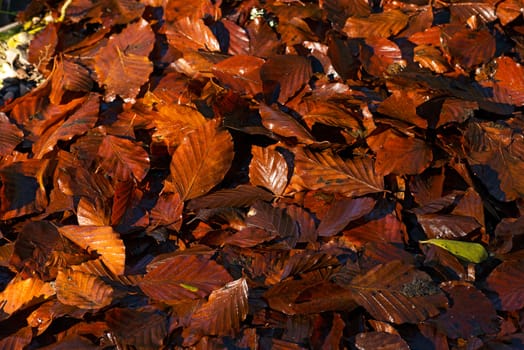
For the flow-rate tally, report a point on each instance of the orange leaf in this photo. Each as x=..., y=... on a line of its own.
x=202, y=160
x=123, y=66
x=101, y=239
x=82, y=290
x=21, y=293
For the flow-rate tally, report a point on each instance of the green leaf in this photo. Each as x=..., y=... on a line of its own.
x=472, y=252
x=188, y=287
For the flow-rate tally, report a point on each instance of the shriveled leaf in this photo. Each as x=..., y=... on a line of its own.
x=327, y=171
x=168, y=281
x=123, y=66
x=82, y=290
x=225, y=309
x=382, y=24
x=21, y=293
x=268, y=169
x=508, y=282
x=101, y=239
x=399, y=154
x=123, y=159
x=201, y=161
x=469, y=251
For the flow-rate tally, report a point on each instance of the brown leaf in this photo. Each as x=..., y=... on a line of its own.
x=240, y=196
x=90, y=213
x=327, y=171
x=82, y=290
x=83, y=119
x=342, y=212
x=268, y=169
x=22, y=188
x=382, y=24
x=431, y=58
x=399, y=154
x=447, y=226
x=507, y=281
x=380, y=56
x=289, y=73
x=190, y=34
x=469, y=48
x=68, y=76
x=167, y=212
x=123, y=66
x=101, y=239
x=241, y=73
x=183, y=277
x=10, y=136
x=398, y=293
x=201, y=161
x=123, y=159
x=283, y=124
x=471, y=313
x=225, y=309
x=275, y=220
x=380, y=341
x=143, y=328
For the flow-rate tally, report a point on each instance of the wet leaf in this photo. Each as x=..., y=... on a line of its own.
x=123, y=159
x=268, y=169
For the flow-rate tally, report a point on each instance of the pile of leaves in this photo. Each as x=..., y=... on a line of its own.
x=266, y=175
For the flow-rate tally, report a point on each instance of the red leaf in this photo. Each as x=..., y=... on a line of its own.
x=382, y=25
x=507, y=281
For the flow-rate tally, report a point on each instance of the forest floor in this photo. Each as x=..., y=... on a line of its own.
x=263, y=175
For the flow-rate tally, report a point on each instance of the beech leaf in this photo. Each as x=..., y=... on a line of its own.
x=469, y=251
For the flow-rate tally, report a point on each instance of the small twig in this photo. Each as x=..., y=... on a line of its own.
x=9, y=27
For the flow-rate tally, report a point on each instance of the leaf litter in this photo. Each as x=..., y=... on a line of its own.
x=266, y=175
